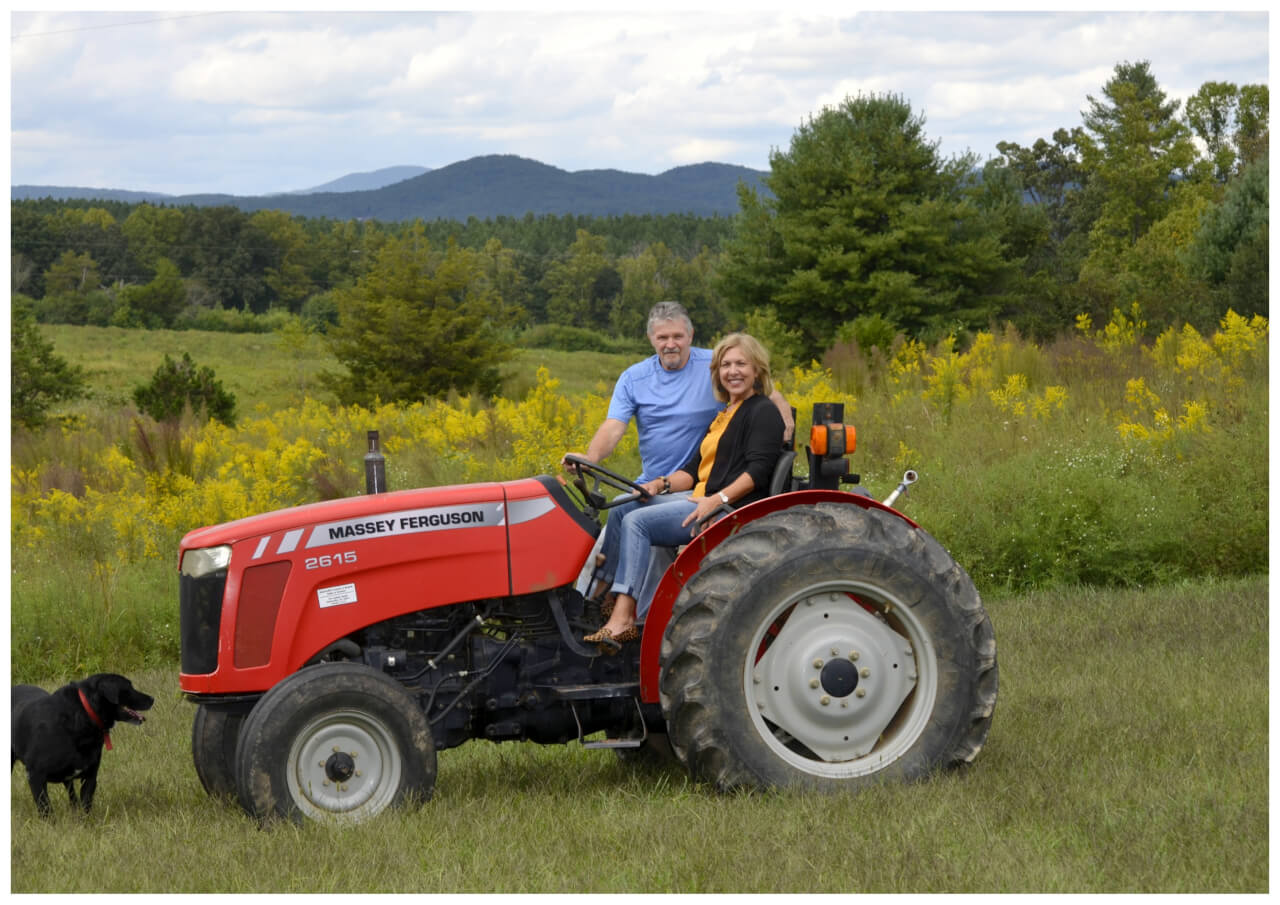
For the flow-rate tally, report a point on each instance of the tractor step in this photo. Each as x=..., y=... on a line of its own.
x=629, y=742
x=591, y=692
x=615, y=743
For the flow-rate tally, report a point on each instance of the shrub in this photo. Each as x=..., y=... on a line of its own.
x=39, y=378
x=577, y=339
x=180, y=384
x=230, y=320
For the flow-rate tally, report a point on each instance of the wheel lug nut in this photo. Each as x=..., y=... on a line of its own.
x=813, y=683
x=825, y=700
x=861, y=692
x=854, y=655
x=817, y=664
x=865, y=672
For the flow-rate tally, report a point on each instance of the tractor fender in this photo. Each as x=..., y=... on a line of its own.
x=690, y=558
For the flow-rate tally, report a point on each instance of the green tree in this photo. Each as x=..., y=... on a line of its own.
x=38, y=377
x=1154, y=272
x=179, y=385
x=1210, y=113
x=1230, y=248
x=287, y=273
x=72, y=273
x=656, y=273
x=865, y=218
x=156, y=303
x=582, y=285
x=1252, y=134
x=152, y=233
x=1136, y=149
x=420, y=323
x=222, y=249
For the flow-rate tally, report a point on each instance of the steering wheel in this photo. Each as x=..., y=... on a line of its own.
x=601, y=475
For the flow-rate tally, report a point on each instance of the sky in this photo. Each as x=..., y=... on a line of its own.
x=187, y=102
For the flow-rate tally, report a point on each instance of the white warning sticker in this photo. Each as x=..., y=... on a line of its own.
x=337, y=595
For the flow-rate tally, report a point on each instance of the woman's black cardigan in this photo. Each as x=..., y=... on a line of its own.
x=752, y=443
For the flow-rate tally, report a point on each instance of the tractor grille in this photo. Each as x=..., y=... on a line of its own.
x=261, y=590
x=199, y=616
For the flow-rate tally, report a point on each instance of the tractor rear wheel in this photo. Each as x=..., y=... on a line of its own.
x=825, y=647
x=214, y=734
x=335, y=742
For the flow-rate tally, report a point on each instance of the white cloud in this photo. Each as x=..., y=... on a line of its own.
x=321, y=94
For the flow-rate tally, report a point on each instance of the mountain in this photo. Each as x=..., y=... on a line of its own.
x=67, y=193
x=363, y=182
x=487, y=187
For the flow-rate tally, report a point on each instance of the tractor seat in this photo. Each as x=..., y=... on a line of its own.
x=781, y=480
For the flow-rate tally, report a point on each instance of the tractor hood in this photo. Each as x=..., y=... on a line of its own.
x=359, y=516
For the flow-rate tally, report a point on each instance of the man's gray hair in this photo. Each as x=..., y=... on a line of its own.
x=668, y=311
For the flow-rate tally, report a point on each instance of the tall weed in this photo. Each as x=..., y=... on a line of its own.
x=1093, y=460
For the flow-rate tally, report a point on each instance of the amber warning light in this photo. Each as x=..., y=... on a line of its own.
x=833, y=440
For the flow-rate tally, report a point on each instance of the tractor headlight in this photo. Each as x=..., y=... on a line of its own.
x=198, y=563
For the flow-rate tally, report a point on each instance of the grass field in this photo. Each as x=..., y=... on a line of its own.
x=1128, y=754
x=266, y=374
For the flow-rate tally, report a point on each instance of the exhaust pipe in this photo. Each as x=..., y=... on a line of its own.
x=908, y=479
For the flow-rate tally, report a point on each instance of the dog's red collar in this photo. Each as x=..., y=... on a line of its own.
x=97, y=720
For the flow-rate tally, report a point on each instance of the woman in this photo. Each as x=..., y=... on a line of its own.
x=733, y=465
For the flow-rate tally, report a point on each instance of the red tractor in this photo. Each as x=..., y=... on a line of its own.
x=816, y=638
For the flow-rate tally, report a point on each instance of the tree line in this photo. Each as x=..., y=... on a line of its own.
x=866, y=231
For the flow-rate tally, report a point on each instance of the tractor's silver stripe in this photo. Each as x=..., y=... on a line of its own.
x=262, y=547
x=520, y=511
x=290, y=541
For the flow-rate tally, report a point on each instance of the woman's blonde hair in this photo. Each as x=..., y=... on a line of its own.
x=755, y=353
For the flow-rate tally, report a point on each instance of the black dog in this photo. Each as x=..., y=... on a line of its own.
x=59, y=737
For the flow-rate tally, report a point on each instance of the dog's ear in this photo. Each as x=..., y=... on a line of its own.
x=113, y=687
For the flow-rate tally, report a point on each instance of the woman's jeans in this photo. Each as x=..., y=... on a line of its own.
x=611, y=546
x=634, y=528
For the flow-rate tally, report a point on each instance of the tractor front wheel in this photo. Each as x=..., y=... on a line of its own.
x=825, y=647
x=335, y=742
x=214, y=735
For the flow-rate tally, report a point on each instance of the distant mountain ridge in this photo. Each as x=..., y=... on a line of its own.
x=482, y=187
x=364, y=182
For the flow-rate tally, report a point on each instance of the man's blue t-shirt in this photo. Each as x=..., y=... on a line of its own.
x=673, y=410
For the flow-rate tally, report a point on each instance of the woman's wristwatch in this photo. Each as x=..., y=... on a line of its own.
x=723, y=498
x=666, y=484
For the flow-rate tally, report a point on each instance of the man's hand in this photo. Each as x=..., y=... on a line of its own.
x=784, y=409
x=571, y=466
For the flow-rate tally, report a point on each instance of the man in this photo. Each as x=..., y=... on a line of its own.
x=670, y=397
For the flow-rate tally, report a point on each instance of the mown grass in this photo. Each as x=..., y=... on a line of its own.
x=1128, y=754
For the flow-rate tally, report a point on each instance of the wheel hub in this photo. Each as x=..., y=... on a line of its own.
x=839, y=678
x=340, y=767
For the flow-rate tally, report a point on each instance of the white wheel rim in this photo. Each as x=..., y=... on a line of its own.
x=839, y=691
x=343, y=765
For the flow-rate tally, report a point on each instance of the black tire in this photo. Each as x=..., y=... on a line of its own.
x=214, y=734
x=335, y=742
x=826, y=647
